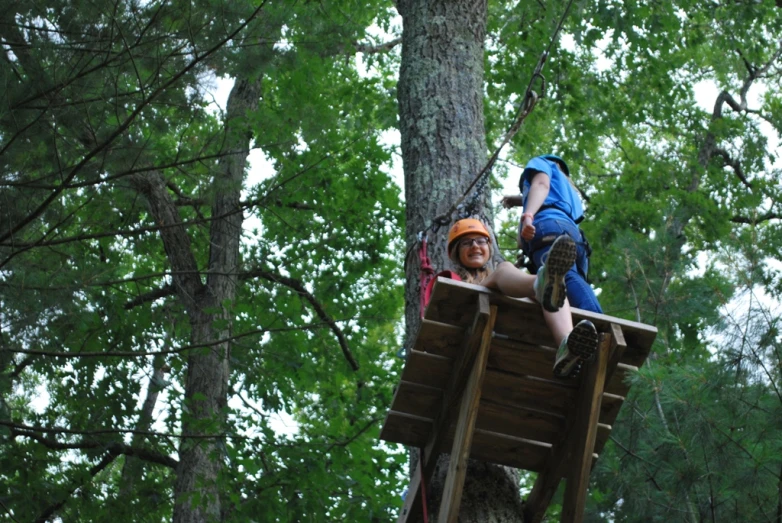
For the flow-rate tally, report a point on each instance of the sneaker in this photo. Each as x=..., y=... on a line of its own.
x=550, y=284
x=579, y=346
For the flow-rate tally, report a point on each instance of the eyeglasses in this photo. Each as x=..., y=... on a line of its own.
x=480, y=241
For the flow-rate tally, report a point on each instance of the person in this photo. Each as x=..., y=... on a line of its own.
x=552, y=208
x=470, y=251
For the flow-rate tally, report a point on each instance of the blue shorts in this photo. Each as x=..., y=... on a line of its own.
x=579, y=292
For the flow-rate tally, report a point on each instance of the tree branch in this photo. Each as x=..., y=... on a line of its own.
x=345, y=443
x=50, y=510
x=379, y=48
x=176, y=241
x=756, y=219
x=129, y=354
x=12, y=230
x=734, y=164
x=25, y=430
x=297, y=286
x=276, y=278
x=114, y=447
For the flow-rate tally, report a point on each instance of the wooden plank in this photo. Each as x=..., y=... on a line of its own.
x=439, y=338
x=556, y=397
x=517, y=356
x=406, y=429
x=427, y=369
x=451, y=299
x=510, y=451
x=468, y=413
x=584, y=433
x=609, y=408
x=618, y=347
x=412, y=505
x=531, y=424
x=537, y=430
x=417, y=399
x=524, y=321
x=423, y=402
x=529, y=392
x=506, y=355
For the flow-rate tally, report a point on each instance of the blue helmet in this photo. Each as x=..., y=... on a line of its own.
x=555, y=158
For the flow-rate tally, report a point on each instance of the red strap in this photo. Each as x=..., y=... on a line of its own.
x=423, y=485
x=427, y=274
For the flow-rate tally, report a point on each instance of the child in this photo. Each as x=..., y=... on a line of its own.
x=470, y=249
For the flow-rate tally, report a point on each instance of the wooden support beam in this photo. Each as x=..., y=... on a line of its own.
x=584, y=432
x=548, y=479
x=412, y=507
x=468, y=413
x=618, y=346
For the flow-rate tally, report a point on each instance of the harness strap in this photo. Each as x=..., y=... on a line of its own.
x=427, y=274
x=548, y=240
x=423, y=486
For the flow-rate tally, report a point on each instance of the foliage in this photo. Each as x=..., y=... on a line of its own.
x=99, y=97
x=97, y=338
x=683, y=214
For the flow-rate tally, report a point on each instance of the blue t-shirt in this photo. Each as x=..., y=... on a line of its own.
x=562, y=200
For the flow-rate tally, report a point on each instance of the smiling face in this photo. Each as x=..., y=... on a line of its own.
x=474, y=251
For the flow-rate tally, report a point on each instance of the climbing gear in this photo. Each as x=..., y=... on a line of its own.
x=555, y=158
x=578, y=347
x=462, y=228
x=430, y=287
x=550, y=283
x=588, y=250
x=427, y=274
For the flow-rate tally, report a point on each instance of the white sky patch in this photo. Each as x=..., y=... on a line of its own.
x=281, y=422
x=392, y=138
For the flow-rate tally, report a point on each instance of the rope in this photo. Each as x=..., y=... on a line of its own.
x=427, y=273
x=423, y=486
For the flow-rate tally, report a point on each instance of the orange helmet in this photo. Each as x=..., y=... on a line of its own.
x=462, y=228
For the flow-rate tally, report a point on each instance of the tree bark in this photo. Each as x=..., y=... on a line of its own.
x=440, y=94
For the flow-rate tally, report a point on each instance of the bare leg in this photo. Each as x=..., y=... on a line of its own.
x=560, y=323
x=510, y=281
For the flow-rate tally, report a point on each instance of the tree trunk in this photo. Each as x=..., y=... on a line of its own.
x=197, y=491
x=443, y=142
x=206, y=386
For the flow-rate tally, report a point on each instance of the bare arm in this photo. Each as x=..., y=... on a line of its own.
x=539, y=188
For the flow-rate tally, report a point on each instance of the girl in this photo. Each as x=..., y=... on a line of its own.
x=470, y=249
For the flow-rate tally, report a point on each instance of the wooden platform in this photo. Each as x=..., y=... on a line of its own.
x=478, y=381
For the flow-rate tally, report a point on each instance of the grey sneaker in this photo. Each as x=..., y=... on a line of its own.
x=550, y=283
x=579, y=346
